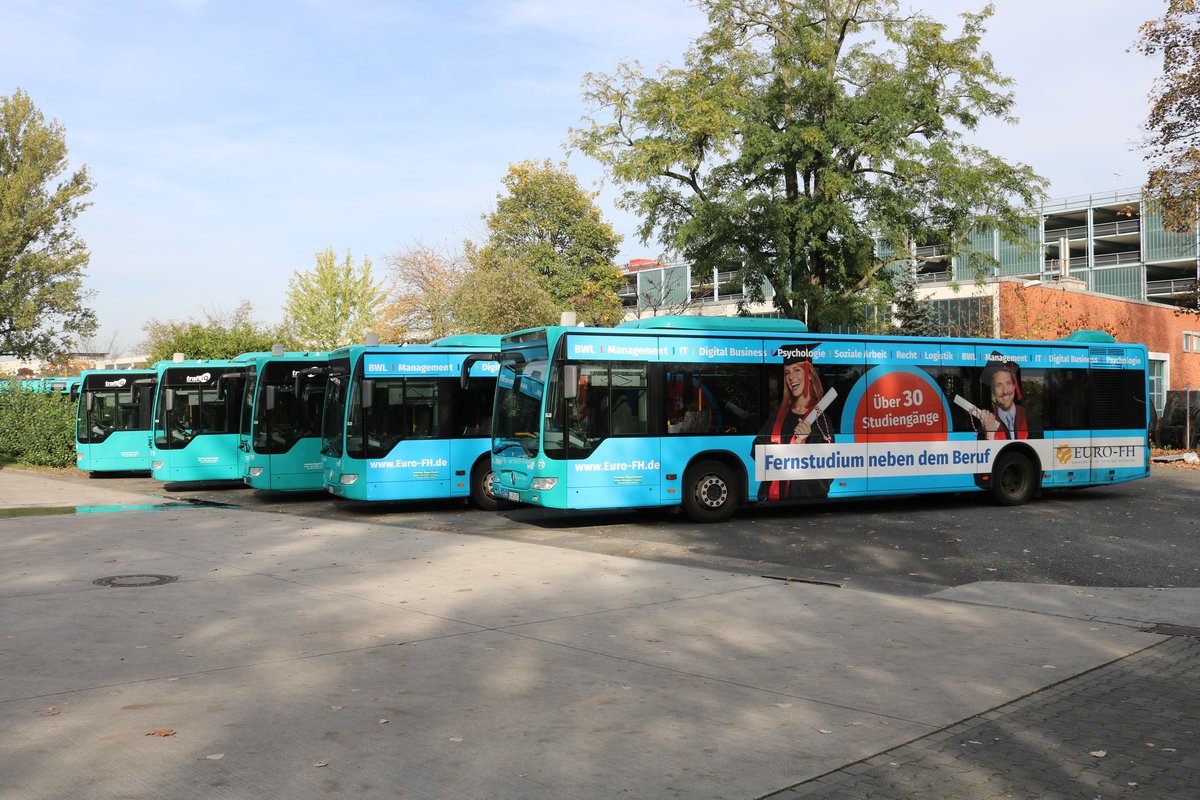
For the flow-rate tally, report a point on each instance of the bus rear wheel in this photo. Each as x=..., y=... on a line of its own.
x=482, y=496
x=1013, y=479
x=710, y=492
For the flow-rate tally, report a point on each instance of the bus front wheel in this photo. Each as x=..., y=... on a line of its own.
x=710, y=492
x=482, y=495
x=1013, y=479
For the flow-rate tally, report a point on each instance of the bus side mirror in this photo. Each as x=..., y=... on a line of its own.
x=570, y=381
x=88, y=398
x=368, y=393
x=169, y=399
x=270, y=398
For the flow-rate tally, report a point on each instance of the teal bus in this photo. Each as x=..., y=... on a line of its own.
x=197, y=419
x=714, y=414
x=399, y=424
x=67, y=385
x=280, y=441
x=112, y=421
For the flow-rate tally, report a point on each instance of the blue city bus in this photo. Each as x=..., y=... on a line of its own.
x=280, y=440
x=713, y=414
x=112, y=421
x=400, y=424
x=197, y=419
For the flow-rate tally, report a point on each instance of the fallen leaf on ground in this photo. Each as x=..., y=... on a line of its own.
x=161, y=732
x=215, y=757
x=49, y=712
x=1099, y=753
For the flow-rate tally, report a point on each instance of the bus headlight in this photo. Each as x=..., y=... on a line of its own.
x=156, y=465
x=348, y=479
x=255, y=472
x=543, y=484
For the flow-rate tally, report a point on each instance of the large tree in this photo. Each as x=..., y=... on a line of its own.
x=803, y=138
x=1173, y=146
x=42, y=260
x=547, y=221
x=335, y=303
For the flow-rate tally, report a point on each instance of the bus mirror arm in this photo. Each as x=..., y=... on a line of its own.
x=470, y=361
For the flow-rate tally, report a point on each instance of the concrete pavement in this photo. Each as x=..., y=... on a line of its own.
x=302, y=658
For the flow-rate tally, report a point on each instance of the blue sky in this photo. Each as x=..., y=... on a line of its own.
x=231, y=141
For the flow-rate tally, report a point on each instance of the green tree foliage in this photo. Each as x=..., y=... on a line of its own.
x=37, y=428
x=335, y=304
x=501, y=296
x=42, y=260
x=217, y=336
x=1173, y=146
x=801, y=134
x=546, y=221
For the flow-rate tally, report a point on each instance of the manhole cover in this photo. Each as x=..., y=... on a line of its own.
x=117, y=581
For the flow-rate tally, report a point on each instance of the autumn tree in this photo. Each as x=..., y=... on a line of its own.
x=220, y=334
x=1172, y=148
x=803, y=138
x=42, y=260
x=421, y=302
x=545, y=220
x=333, y=304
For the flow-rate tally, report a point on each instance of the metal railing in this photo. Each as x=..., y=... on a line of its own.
x=1096, y=199
x=1170, y=287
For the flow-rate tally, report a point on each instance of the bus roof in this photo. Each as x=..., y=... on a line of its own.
x=482, y=341
x=1090, y=337
x=697, y=323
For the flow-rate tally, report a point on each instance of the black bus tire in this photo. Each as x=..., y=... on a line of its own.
x=481, y=487
x=1014, y=480
x=710, y=492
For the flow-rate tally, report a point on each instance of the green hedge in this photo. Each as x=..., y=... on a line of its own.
x=37, y=429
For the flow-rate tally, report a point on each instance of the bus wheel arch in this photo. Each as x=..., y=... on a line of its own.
x=1016, y=476
x=713, y=487
x=481, y=485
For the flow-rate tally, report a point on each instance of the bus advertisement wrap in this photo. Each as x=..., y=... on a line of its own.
x=714, y=414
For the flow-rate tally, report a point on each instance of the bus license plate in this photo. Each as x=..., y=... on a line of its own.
x=514, y=496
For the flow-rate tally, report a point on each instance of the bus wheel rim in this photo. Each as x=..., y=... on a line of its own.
x=704, y=491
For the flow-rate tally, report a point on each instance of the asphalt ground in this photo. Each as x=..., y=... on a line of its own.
x=1144, y=533
x=352, y=654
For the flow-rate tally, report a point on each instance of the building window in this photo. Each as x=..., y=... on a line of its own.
x=1158, y=380
x=1191, y=341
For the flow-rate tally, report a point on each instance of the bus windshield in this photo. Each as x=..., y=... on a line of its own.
x=106, y=411
x=386, y=411
x=519, y=391
x=195, y=401
x=288, y=405
x=334, y=412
